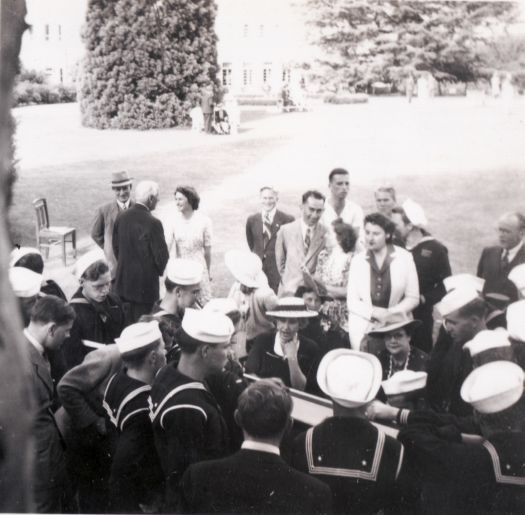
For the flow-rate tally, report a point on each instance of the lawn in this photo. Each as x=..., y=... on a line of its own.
x=462, y=160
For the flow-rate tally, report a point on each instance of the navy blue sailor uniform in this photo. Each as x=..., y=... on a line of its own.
x=188, y=426
x=360, y=464
x=463, y=477
x=136, y=476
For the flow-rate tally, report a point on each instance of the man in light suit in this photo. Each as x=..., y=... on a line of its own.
x=261, y=233
x=496, y=262
x=102, y=228
x=299, y=243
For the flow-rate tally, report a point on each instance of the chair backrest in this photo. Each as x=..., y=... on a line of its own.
x=42, y=217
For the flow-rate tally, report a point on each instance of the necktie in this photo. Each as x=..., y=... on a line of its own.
x=505, y=259
x=307, y=240
x=267, y=229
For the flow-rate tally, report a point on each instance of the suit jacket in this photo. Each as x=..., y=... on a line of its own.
x=496, y=276
x=49, y=471
x=254, y=237
x=404, y=292
x=289, y=254
x=102, y=231
x=142, y=254
x=251, y=482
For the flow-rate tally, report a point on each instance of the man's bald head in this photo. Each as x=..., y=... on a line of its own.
x=511, y=229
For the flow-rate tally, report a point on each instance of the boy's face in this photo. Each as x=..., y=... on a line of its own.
x=312, y=301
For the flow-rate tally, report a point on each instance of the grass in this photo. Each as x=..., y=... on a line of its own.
x=462, y=162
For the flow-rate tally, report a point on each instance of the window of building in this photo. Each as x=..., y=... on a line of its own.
x=226, y=74
x=261, y=31
x=61, y=75
x=286, y=74
x=247, y=75
x=267, y=73
x=245, y=31
x=60, y=33
x=46, y=32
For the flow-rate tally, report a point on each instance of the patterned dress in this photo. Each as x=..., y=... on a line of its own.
x=186, y=238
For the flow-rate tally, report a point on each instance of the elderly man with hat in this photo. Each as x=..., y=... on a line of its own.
x=283, y=353
x=100, y=315
x=488, y=477
x=464, y=315
x=102, y=227
x=253, y=297
x=359, y=462
x=187, y=422
x=136, y=476
x=432, y=265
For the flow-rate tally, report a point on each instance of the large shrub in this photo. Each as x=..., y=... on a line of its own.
x=146, y=61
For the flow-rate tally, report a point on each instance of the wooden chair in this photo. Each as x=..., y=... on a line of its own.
x=47, y=235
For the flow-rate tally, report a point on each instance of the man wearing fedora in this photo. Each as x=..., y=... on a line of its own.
x=188, y=425
x=261, y=233
x=102, y=227
x=361, y=464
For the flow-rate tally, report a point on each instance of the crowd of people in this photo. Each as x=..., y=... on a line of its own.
x=181, y=402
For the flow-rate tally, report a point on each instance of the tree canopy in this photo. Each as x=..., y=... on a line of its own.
x=146, y=61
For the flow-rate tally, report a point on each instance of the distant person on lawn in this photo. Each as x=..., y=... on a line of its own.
x=141, y=252
x=102, y=228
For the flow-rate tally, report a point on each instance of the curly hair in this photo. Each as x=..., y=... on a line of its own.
x=382, y=221
x=191, y=194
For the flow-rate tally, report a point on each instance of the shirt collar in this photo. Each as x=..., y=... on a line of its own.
x=123, y=205
x=36, y=344
x=513, y=251
x=271, y=214
x=277, y=347
x=259, y=446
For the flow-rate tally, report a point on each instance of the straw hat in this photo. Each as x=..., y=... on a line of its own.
x=246, y=267
x=291, y=307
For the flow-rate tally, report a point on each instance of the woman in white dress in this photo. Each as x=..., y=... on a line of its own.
x=189, y=236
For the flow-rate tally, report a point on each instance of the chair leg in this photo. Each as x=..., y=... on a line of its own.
x=64, y=251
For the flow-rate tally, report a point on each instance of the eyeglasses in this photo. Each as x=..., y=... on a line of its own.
x=120, y=188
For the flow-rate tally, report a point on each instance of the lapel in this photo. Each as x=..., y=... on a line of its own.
x=518, y=258
x=397, y=276
x=276, y=224
x=41, y=367
x=317, y=242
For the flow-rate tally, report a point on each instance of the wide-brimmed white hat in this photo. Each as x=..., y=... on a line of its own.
x=291, y=307
x=456, y=299
x=517, y=276
x=24, y=282
x=84, y=262
x=222, y=305
x=415, y=213
x=465, y=280
x=392, y=322
x=138, y=336
x=493, y=387
x=486, y=340
x=19, y=253
x=184, y=271
x=351, y=378
x=246, y=267
x=207, y=326
x=515, y=315
x=405, y=381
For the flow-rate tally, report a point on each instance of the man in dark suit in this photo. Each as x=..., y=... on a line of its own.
x=102, y=228
x=141, y=252
x=299, y=243
x=261, y=233
x=496, y=262
x=255, y=479
x=51, y=321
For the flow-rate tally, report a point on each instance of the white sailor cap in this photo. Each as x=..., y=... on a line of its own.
x=456, y=299
x=516, y=320
x=405, y=381
x=517, y=276
x=351, y=378
x=85, y=261
x=493, y=387
x=246, y=267
x=138, y=336
x=207, y=326
x=486, y=340
x=415, y=213
x=184, y=271
x=222, y=305
x=19, y=253
x=25, y=282
x=463, y=281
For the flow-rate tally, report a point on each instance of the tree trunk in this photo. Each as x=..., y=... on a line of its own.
x=16, y=414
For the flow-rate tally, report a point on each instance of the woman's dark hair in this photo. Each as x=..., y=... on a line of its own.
x=382, y=221
x=191, y=194
x=95, y=270
x=346, y=235
x=33, y=262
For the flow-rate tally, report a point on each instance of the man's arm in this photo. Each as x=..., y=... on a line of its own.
x=97, y=228
x=442, y=270
x=280, y=251
x=158, y=247
x=114, y=242
x=249, y=234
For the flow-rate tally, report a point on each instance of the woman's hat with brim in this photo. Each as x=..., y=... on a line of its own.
x=291, y=307
x=392, y=322
x=350, y=378
x=246, y=267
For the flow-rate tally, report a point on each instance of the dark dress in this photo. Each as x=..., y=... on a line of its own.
x=263, y=361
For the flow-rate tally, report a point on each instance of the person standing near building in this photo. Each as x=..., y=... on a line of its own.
x=141, y=252
x=207, y=107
